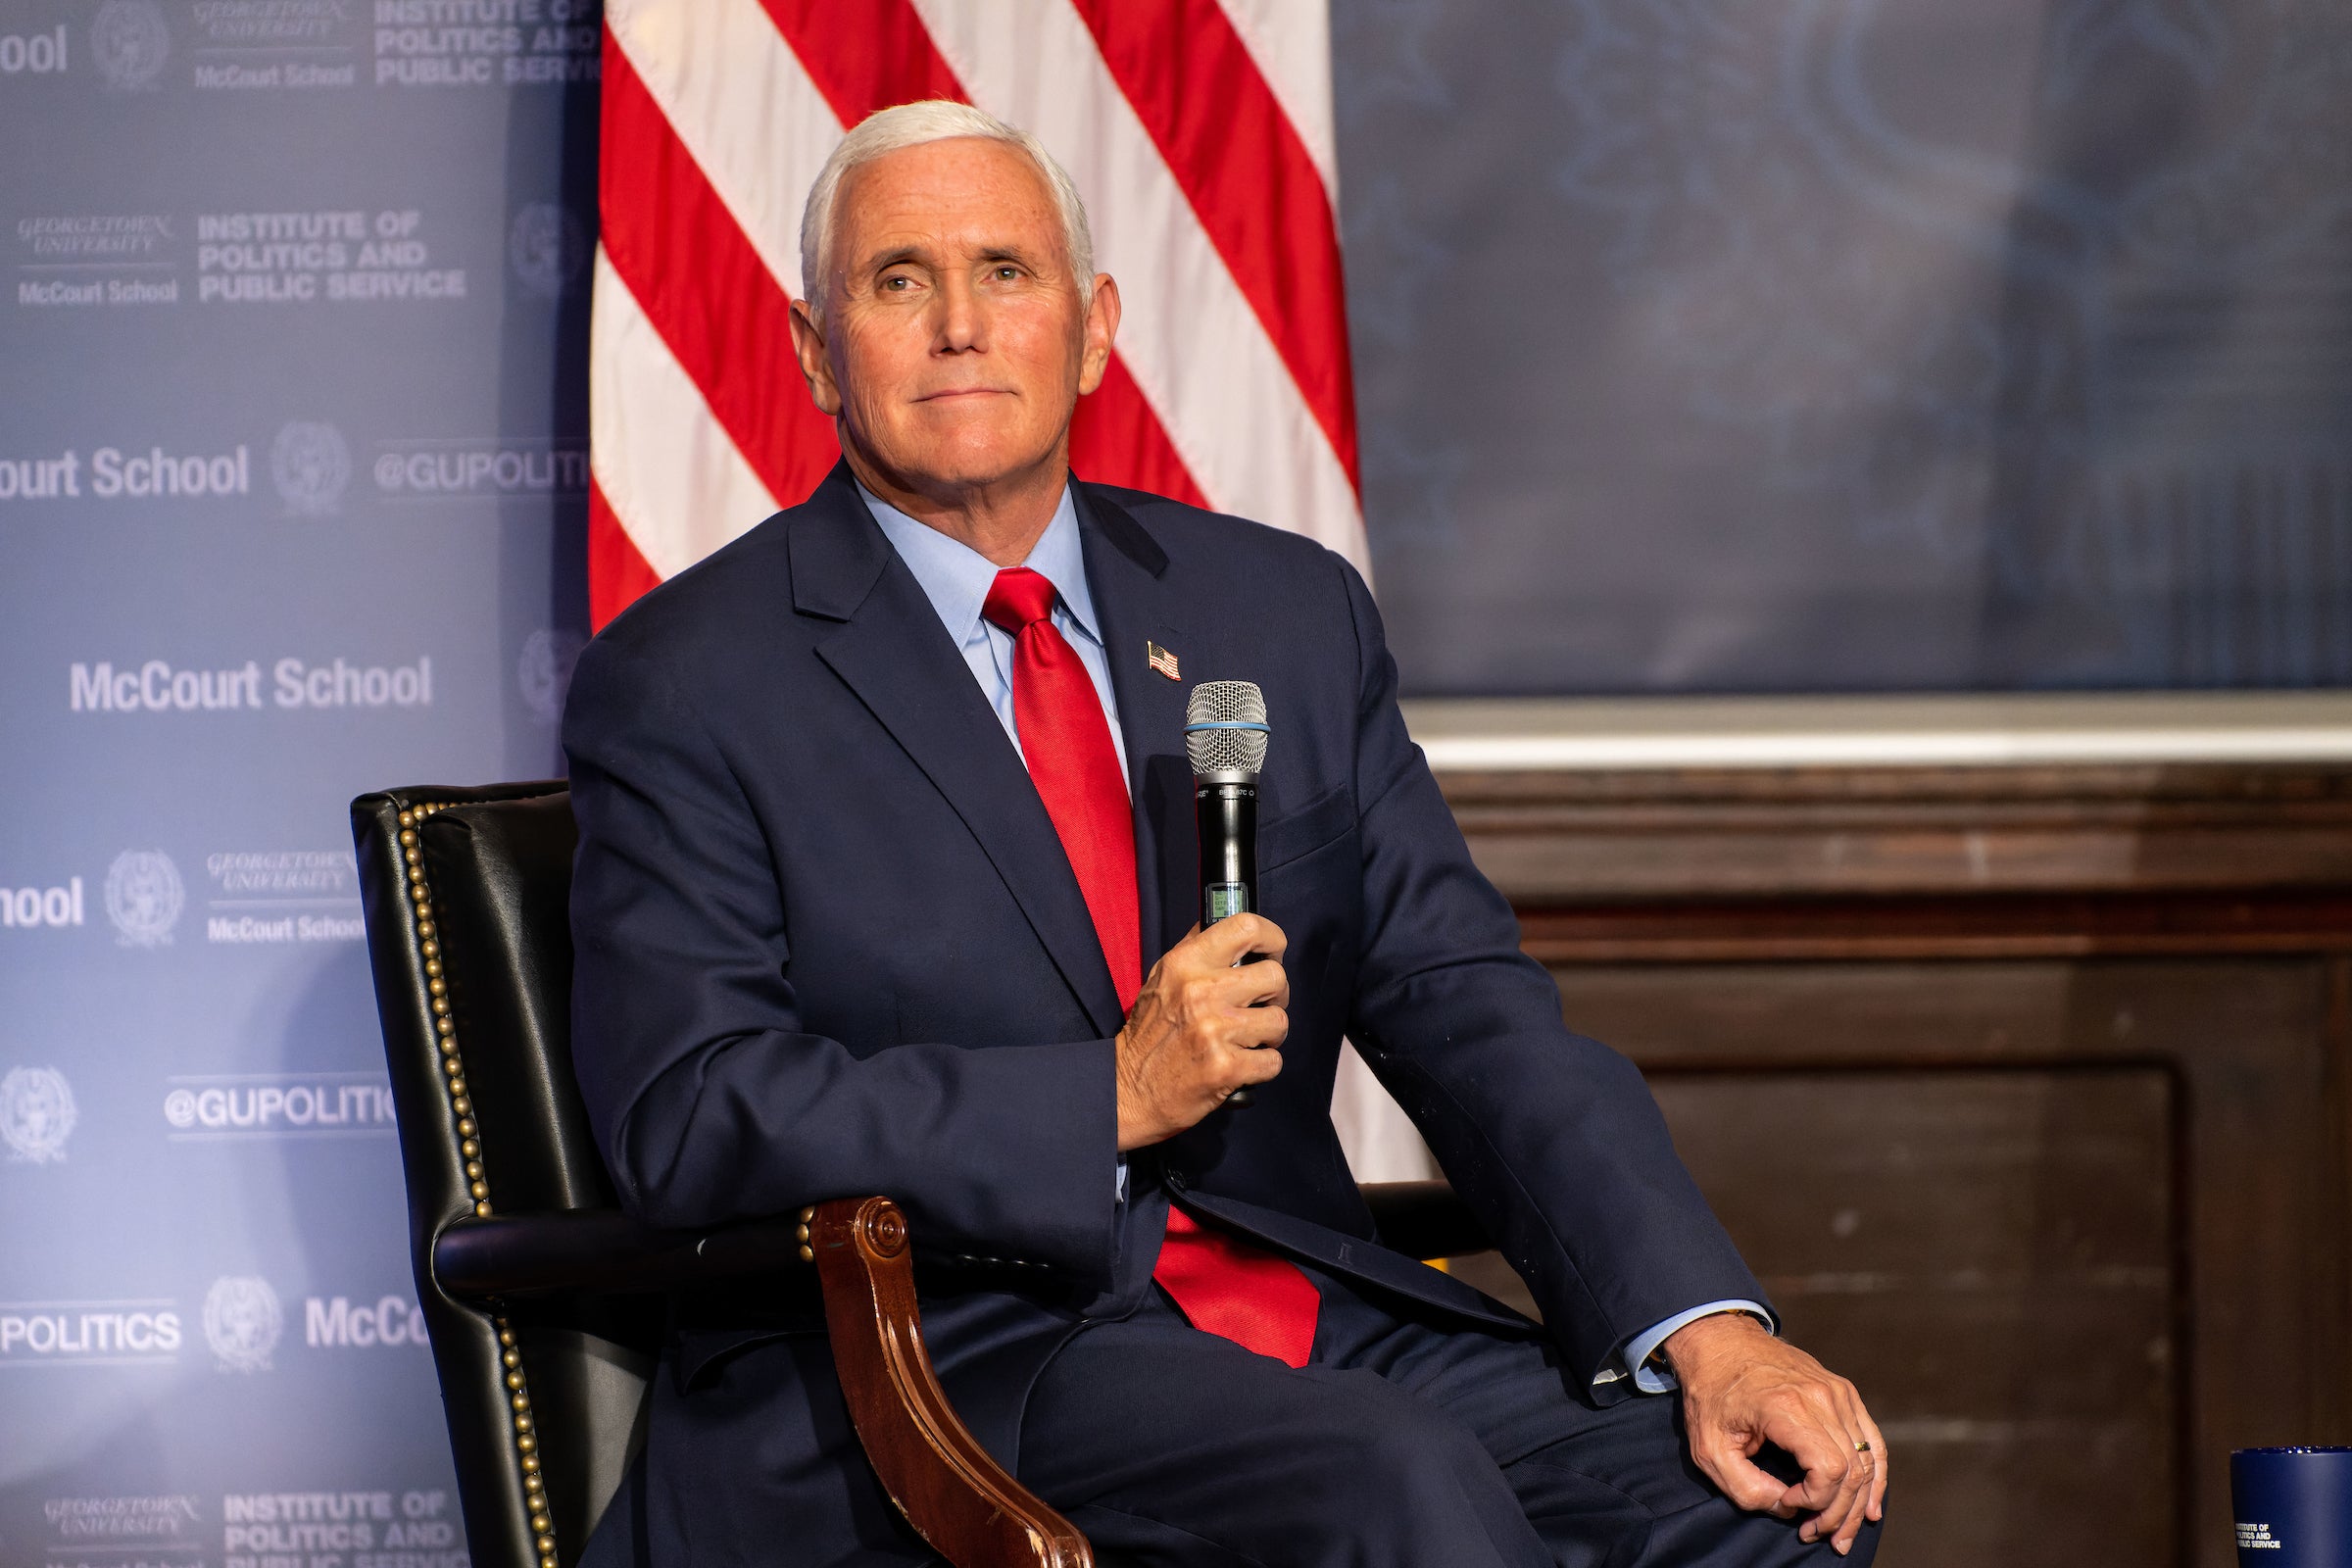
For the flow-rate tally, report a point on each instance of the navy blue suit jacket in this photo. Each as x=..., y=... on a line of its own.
x=828, y=945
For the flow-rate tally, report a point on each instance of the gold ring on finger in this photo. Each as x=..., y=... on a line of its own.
x=1861, y=1445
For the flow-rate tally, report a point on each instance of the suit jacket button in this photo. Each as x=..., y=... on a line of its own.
x=1175, y=1179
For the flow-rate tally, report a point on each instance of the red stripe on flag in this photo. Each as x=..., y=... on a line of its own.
x=706, y=292
x=1116, y=439
x=617, y=570
x=866, y=55
x=1248, y=178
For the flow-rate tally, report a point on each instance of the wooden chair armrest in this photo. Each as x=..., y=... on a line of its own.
x=959, y=1499
x=957, y=1496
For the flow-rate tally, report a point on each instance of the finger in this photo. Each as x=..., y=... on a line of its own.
x=1871, y=1444
x=1842, y=1531
x=1875, y=1507
x=1756, y=1490
x=1251, y=1066
x=1235, y=1071
x=1263, y=984
x=1816, y=1454
x=1258, y=1029
x=1840, y=1520
x=1843, y=1518
x=1236, y=936
x=1833, y=1481
x=1738, y=1476
x=1253, y=984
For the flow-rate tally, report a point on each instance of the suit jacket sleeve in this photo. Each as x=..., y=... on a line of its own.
x=1552, y=1139
x=709, y=1100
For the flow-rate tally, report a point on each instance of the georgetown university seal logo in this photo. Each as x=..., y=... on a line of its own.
x=242, y=1322
x=546, y=247
x=143, y=898
x=544, y=671
x=310, y=464
x=36, y=1113
x=129, y=42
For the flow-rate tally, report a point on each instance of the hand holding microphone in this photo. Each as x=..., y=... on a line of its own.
x=1200, y=1028
x=1197, y=1037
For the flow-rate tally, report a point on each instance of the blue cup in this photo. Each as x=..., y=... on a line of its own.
x=2292, y=1507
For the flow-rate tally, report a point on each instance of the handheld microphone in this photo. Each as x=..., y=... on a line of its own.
x=1225, y=738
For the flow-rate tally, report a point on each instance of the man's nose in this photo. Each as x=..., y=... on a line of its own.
x=962, y=317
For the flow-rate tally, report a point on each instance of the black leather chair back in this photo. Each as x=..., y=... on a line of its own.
x=466, y=894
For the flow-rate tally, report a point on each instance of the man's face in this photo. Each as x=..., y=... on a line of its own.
x=954, y=346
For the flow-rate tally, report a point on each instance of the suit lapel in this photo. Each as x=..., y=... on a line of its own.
x=1127, y=572
x=892, y=652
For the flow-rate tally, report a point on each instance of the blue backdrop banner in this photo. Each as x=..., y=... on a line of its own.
x=292, y=472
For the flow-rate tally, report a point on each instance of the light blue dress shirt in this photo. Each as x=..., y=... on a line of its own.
x=957, y=578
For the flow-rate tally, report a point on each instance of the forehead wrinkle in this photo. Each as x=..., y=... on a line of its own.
x=910, y=214
x=935, y=251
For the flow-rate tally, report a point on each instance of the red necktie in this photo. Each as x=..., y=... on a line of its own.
x=1067, y=742
x=1223, y=1285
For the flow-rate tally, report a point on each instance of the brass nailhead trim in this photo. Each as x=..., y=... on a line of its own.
x=461, y=1104
x=445, y=1026
x=526, y=1445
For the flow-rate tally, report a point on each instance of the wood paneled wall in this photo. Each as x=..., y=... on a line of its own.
x=2027, y=1091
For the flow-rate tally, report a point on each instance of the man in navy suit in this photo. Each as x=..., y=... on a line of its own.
x=886, y=885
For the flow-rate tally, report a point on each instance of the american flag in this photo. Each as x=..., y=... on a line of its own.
x=1199, y=132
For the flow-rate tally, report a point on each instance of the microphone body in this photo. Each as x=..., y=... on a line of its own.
x=1225, y=737
x=1225, y=817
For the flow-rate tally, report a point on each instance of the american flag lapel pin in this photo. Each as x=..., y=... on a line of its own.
x=1161, y=660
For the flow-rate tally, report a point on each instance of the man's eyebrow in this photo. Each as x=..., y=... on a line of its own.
x=920, y=255
x=884, y=259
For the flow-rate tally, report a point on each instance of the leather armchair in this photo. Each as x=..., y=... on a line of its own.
x=544, y=1302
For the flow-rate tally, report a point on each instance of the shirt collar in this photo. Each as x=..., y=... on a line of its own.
x=957, y=578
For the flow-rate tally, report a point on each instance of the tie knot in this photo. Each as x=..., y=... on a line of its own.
x=1020, y=598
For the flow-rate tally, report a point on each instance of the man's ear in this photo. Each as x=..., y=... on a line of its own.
x=1101, y=327
x=816, y=367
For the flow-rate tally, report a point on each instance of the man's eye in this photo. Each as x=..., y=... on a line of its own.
x=1008, y=274
x=899, y=284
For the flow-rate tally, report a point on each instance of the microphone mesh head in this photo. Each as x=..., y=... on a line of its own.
x=1225, y=727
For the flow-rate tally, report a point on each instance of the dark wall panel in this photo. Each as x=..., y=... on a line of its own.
x=1991, y=1257
x=1853, y=344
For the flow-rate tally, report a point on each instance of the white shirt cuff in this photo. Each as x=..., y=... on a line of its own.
x=1642, y=1347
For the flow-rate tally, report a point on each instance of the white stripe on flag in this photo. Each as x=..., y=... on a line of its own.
x=670, y=473
x=1196, y=347
x=743, y=106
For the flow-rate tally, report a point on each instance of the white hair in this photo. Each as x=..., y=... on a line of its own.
x=903, y=125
